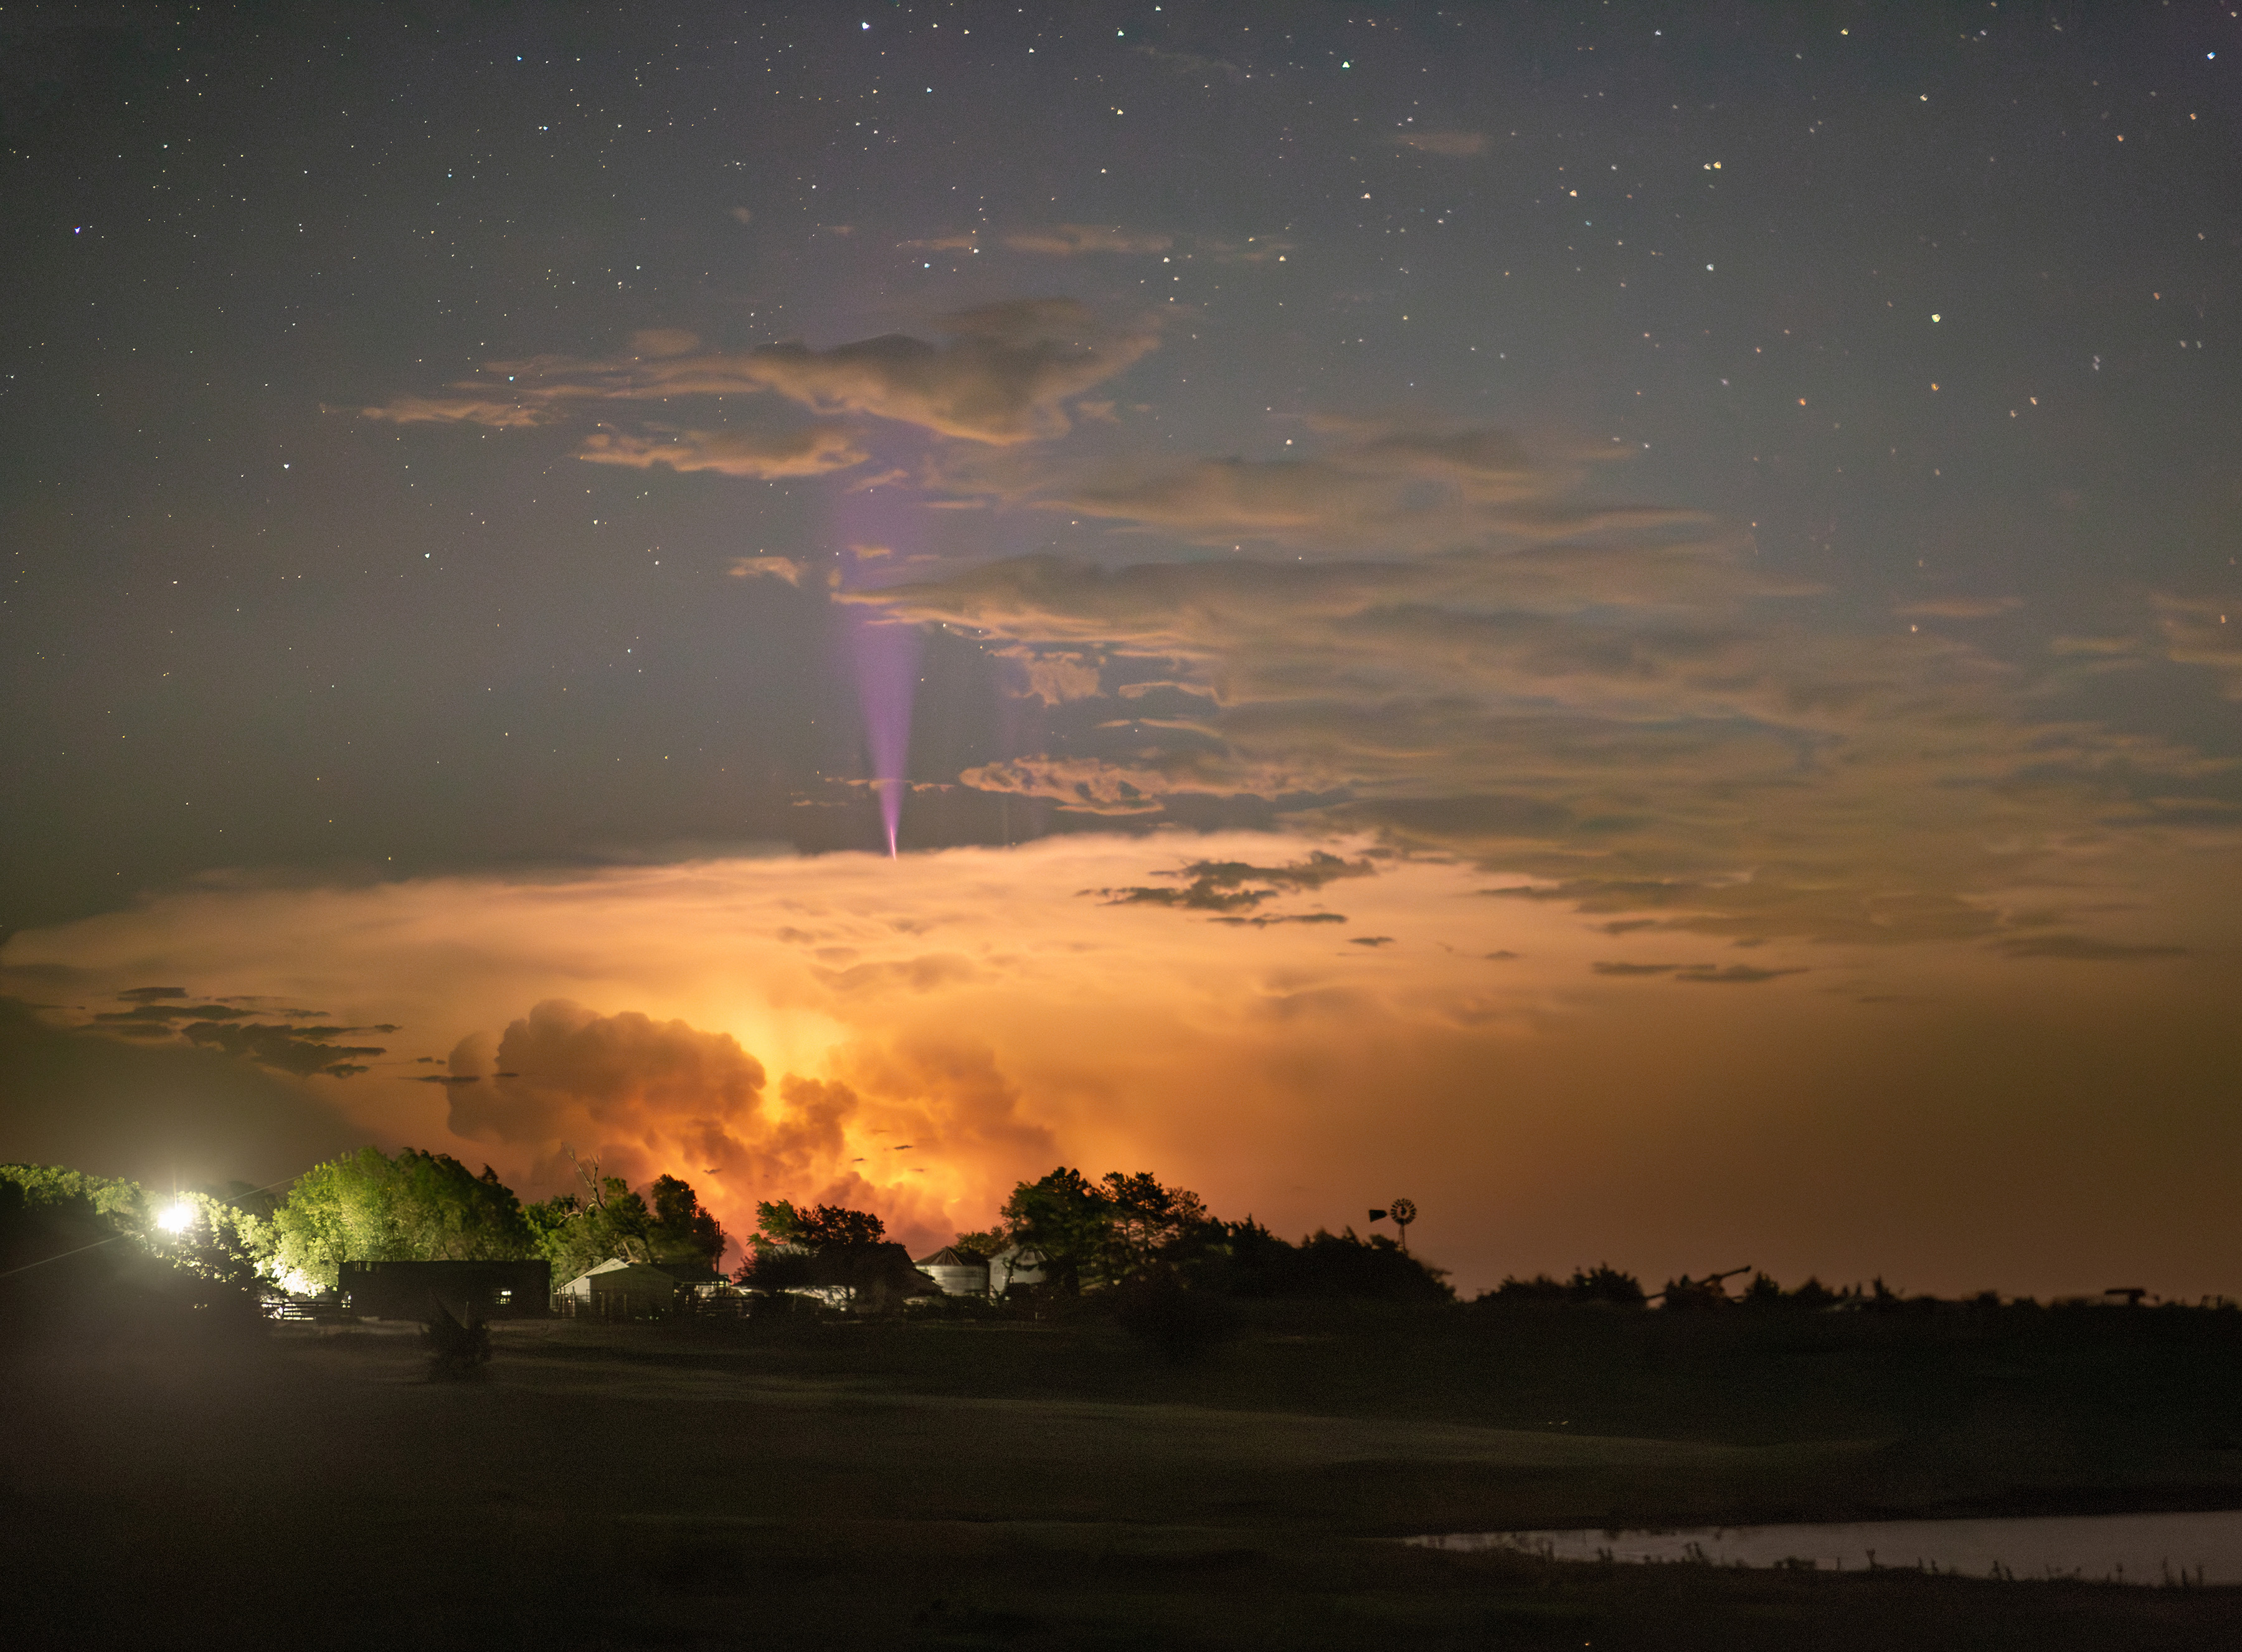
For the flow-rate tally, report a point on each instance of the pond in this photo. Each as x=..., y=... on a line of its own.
x=2201, y=1549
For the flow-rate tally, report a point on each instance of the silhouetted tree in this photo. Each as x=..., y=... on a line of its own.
x=990, y=1241
x=1249, y=1260
x=1764, y=1295
x=681, y=1231
x=1097, y=1234
x=824, y=1226
x=1686, y=1295
x=823, y=1244
x=1343, y=1264
x=1602, y=1284
x=1064, y=1216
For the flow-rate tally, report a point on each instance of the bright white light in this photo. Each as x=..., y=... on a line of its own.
x=178, y=1219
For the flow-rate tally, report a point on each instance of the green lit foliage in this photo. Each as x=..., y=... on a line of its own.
x=122, y=1206
x=218, y=1239
x=419, y=1206
x=778, y=1225
x=615, y=1224
x=577, y=1235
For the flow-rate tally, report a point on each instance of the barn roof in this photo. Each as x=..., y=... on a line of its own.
x=618, y=1275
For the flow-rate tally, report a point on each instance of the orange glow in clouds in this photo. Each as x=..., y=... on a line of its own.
x=913, y=1037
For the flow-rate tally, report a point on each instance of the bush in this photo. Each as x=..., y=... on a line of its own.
x=1602, y=1284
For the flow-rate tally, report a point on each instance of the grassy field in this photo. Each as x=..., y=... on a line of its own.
x=971, y=1484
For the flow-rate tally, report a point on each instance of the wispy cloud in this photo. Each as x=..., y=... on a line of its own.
x=497, y=413
x=1439, y=633
x=1237, y=886
x=1395, y=485
x=804, y=450
x=1069, y=240
x=1456, y=145
x=2084, y=949
x=997, y=374
x=769, y=567
x=1959, y=607
x=2203, y=631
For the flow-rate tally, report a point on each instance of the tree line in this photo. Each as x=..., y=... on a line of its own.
x=1076, y=1235
x=1130, y=1235
x=1128, y=1232
x=369, y=1207
x=429, y=1207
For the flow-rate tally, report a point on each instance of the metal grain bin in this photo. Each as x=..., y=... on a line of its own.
x=958, y=1272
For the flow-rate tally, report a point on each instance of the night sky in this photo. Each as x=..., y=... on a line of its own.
x=1613, y=617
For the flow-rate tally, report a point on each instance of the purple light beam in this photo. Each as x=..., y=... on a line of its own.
x=877, y=526
x=887, y=657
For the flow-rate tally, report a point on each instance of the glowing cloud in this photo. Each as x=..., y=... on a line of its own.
x=780, y=1027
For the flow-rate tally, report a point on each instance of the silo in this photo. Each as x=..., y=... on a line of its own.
x=1021, y=1264
x=958, y=1272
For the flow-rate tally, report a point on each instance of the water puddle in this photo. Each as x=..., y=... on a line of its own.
x=2195, y=1549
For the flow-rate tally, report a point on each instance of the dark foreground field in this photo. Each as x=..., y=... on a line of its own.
x=962, y=1484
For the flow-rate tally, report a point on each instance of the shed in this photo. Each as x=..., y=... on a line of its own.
x=958, y=1272
x=622, y=1290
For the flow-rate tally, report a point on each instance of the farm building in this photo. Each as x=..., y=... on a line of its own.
x=408, y=1290
x=958, y=1272
x=624, y=1290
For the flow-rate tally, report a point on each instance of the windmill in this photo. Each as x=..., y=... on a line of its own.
x=1402, y=1212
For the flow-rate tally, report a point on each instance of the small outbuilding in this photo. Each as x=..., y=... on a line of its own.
x=958, y=1272
x=621, y=1290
